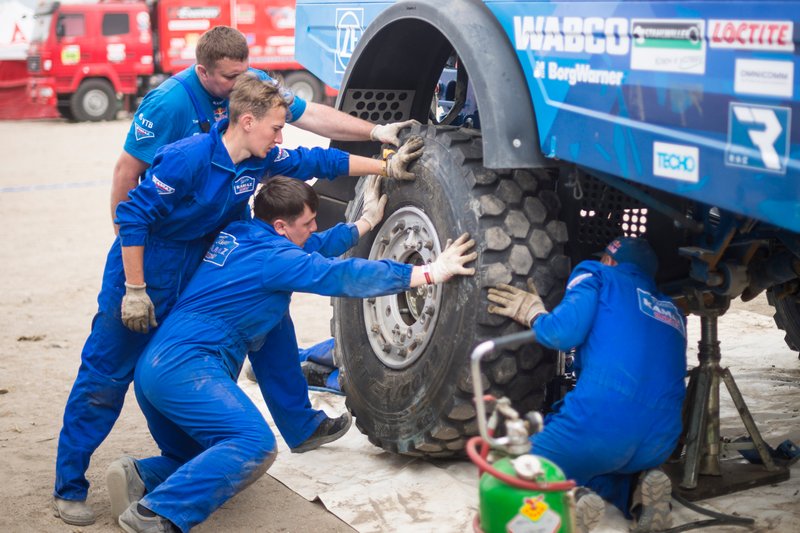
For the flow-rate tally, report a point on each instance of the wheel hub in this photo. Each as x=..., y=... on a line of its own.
x=400, y=326
x=96, y=102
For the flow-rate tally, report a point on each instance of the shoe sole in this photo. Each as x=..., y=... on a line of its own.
x=326, y=439
x=72, y=521
x=656, y=496
x=589, y=511
x=117, y=483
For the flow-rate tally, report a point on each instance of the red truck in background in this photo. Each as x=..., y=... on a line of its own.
x=88, y=58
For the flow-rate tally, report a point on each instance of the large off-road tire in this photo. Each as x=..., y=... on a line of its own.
x=405, y=358
x=787, y=316
x=305, y=85
x=95, y=100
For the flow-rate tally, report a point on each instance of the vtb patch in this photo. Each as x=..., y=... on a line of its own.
x=142, y=133
x=218, y=252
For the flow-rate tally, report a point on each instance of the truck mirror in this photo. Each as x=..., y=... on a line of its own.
x=60, y=28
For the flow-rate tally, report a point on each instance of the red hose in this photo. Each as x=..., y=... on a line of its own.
x=479, y=458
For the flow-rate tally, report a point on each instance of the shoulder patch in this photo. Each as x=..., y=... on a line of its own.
x=578, y=279
x=244, y=184
x=142, y=133
x=162, y=187
x=661, y=310
x=218, y=252
x=282, y=154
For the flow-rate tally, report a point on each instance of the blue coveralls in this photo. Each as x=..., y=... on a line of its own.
x=192, y=190
x=212, y=437
x=624, y=415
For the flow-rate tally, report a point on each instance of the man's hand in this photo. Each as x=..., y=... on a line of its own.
x=374, y=203
x=515, y=303
x=397, y=162
x=388, y=133
x=138, y=311
x=452, y=260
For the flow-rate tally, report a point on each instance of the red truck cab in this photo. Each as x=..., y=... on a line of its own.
x=85, y=57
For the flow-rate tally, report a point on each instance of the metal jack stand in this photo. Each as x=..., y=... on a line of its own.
x=704, y=475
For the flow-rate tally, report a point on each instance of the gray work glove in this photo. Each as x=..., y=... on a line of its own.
x=397, y=162
x=452, y=260
x=374, y=203
x=138, y=311
x=388, y=133
x=515, y=303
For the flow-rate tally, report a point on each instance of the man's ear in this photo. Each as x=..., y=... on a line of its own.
x=280, y=226
x=202, y=71
x=246, y=121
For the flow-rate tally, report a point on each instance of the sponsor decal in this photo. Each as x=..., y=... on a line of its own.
x=71, y=54
x=668, y=45
x=115, y=52
x=188, y=25
x=676, y=161
x=142, y=133
x=577, y=73
x=220, y=112
x=661, y=310
x=763, y=77
x=592, y=35
x=204, y=12
x=770, y=36
x=244, y=184
x=578, y=279
x=162, y=187
x=758, y=137
x=349, y=29
x=218, y=252
x=282, y=154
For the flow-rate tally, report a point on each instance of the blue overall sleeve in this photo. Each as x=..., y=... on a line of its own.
x=334, y=241
x=305, y=163
x=569, y=323
x=168, y=182
x=291, y=269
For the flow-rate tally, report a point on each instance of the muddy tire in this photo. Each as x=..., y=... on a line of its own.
x=787, y=317
x=405, y=358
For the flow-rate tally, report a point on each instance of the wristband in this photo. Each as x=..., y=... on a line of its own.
x=426, y=271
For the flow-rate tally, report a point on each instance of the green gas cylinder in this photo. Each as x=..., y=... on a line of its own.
x=507, y=509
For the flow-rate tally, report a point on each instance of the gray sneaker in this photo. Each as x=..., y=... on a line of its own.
x=133, y=522
x=73, y=512
x=589, y=509
x=651, y=502
x=125, y=486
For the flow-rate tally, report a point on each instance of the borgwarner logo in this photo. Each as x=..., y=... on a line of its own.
x=349, y=29
x=676, y=161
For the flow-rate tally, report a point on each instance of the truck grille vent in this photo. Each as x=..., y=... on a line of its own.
x=606, y=213
x=34, y=63
x=378, y=105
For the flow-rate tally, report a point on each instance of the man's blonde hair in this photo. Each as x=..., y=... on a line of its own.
x=254, y=96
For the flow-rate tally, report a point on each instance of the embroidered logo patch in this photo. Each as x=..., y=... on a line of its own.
x=282, y=154
x=220, y=113
x=162, y=187
x=664, y=312
x=142, y=133
x=218, y=253
x=244, y=184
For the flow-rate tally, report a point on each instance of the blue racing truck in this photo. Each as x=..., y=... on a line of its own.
x=550, y=128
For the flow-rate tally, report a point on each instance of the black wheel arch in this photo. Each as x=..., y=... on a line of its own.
x=406, y=47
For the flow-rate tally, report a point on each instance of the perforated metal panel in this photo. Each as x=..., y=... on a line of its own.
x=378, y=105
x=606, y=213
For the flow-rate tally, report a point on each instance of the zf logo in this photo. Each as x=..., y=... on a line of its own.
x=758, y=137
x=349, y=28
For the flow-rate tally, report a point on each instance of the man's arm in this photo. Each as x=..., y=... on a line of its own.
x=329, y=122
x=126, y=178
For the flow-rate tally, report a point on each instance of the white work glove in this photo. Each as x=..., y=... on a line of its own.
x=515, y=303
x=374, y=203
x=138, y=311
x=452, y=260
x=388, y=133
x=396, y=163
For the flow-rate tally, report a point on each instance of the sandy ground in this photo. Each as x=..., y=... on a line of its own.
x=54, y=205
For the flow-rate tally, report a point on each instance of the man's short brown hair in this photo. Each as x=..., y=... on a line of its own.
x=254, y=96
x=284, y=198
x=221, y=42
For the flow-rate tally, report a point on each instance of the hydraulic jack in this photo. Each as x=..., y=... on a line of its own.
x=697, y=469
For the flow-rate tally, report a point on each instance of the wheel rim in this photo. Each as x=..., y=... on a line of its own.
x=303, y=90
x=95, y=102
x=400, y=326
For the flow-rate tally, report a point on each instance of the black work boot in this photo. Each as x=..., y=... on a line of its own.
x=316, y=374
x=328, y=430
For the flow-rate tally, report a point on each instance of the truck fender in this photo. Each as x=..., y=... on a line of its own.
x=96, y=71
x=406, y=46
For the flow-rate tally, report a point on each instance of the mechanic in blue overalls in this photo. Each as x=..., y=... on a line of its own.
x=194, y=188
x=623, y=418
x=213, y=439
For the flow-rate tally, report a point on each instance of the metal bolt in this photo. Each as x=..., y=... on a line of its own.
x=401, y=224
x=375, y=328
x=428, y=310
x=428, y=245
x=516, y=143
x=402, y=352
x=386, y=347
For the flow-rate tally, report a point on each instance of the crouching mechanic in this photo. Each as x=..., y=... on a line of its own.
x=213, y=439
x=623, y=418
x=195, y=187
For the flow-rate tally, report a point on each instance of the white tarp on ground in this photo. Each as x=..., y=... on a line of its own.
x=16, y=27
x=375, y=491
